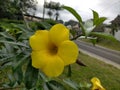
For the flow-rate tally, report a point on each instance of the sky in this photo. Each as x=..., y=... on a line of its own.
x=105, y=8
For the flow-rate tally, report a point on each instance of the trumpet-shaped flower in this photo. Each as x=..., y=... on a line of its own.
x=97, y=84
x=52, y=50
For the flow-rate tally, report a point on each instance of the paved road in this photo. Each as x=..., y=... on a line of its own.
x=99, y=51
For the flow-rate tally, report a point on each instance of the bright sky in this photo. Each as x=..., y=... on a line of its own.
x=106, y=8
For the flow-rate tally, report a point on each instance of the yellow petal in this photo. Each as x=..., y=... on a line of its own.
x=51, y=65
x=39, y=40
x=97, y=84
x=68, y=51
x=54, y=67
x=37, y=62
x=94, y=79
x=58, y=33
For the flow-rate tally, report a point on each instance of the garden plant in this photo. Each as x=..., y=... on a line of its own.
x=33, y=58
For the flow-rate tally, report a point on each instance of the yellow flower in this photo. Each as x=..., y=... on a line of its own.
x=52, y=50
x=97, y=84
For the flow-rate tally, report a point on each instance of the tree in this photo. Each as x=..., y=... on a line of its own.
x=27, y=5
x=115, y=24
x=50, y=13
x=13, y=9
x=5, y=8
x=57, y=8
x=44, y=9
x=53, y=6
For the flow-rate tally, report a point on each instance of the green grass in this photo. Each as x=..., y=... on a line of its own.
x=109, y=75
x=114, y=45
x=110, y=44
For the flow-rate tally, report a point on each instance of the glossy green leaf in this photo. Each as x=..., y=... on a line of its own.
x=20, y=61
x=43, y=25
x=31, y=76
x=43, y=77
x=56, y=85
x=95, y=16
x=53, y=85
x=18, y=74
x=71, y=10
x=51, y=22
x=93, y=40
x=96, y=19
x=14, y=43
x=71, y=83
x=100, y=21
x=11, y=80
x=46, y=25
x=103, y=35
x=85, y=86
x=6, y=35
x=22, y=27
x=46, y=86
x=69, y=71
x=75, y=14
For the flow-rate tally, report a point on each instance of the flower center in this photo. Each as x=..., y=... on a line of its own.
x=53, y=49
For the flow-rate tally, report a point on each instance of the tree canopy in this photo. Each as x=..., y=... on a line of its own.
x=12, y=9
x=53, y=6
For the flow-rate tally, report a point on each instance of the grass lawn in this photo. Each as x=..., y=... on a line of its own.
x=109, y=44
x=109, y=75
x=114, y=45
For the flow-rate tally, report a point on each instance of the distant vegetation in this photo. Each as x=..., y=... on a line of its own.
x=14, y=9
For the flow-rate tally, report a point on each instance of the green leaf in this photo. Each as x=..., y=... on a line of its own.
x=43, y=76
x=103, y=35
x=93, y=40
x=96, y=19
x=71, y=83
x=21, y=27
x=69, y=71
x=51, y=22
x=100, y=21
x=31, y=76
x=6, y=35
x=71, y=10
x=95, y=16
x=24, y=29
x=5, y=64
x=54, y=85
x=14, y=43
x=78, y=17
x=18, y=74
x=43, y=25
x=22, y=60
x=11, y=79
x=46, y=86
x=85, y=86
x=73, y=32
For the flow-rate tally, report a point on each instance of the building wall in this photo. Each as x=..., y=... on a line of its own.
x=117, y=35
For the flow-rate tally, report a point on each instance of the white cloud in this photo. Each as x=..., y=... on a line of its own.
x=107, y=8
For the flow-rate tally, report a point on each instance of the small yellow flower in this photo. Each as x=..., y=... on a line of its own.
x=96, y=84
x=52, y=50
